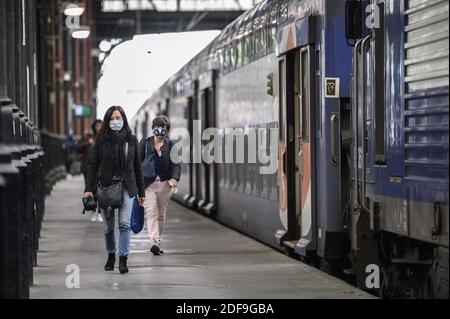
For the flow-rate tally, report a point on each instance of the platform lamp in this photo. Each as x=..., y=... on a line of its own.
x=73, y=12
x=82, y=32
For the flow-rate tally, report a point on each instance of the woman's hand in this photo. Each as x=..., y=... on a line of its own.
x=141, y=201
x=88, y=194
x=173, y=183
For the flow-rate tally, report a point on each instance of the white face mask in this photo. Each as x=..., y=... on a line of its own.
x=116, y=125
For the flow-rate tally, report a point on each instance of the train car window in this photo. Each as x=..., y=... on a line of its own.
x=236, y=168
x=305, y=94
x=261, y=30
x=255, y=169
x=380, y=157
x=232, y=56
x=281, y=107
x=256, y=31
x=272, y=25
x=318, y=92
x=239, y=53
x=248, y=41
x=246, y=50
x=263, y=37
x=226, y=58
x=220, y=59
x=265, y=178
x=283, y=11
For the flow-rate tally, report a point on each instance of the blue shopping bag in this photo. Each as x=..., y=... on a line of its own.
x=137, y=217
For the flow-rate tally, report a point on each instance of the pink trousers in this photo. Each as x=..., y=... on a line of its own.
x=155, y=205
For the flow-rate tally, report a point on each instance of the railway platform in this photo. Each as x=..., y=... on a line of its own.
x=202, y=260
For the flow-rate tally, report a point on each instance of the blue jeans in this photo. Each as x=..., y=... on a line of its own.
x=124, y=226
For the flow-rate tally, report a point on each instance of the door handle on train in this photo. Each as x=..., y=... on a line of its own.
x=437, y=219
x=300, y=163
x=334, y=155
x=290, y=133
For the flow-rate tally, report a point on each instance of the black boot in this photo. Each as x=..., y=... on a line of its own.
x=123, y=264
x=155, y=250
x=110, y=262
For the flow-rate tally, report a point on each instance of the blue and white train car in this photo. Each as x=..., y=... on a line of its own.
x=361, y=111
x=399, y=161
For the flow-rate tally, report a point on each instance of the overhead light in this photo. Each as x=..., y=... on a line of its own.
x=67, y=76
x=105, y=46
x=81, y=32
x=74, y=10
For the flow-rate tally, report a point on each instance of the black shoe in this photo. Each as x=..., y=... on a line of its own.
x=123, y=264
x=155, y=250
x=111, y=261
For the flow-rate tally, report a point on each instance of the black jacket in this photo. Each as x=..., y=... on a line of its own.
x=100, y=167
x=174, y=169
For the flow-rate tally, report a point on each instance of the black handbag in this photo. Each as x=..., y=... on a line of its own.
x=148, y=164
x=111, y=197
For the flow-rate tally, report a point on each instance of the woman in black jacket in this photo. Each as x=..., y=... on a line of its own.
x=115, y=157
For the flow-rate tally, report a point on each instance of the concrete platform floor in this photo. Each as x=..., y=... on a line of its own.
x=202, y=259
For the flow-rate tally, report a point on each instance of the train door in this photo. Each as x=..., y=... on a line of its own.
x=194, y=130
x=209, y=169
x=206, y=172
x=188, y=167
x=202, y=189
x=297, y=148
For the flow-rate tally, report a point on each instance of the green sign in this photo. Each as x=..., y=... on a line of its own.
x=83, y=110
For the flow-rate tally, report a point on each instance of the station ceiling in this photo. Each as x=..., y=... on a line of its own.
x=125, y=18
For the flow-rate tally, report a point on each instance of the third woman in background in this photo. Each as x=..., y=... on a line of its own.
x=84, y=147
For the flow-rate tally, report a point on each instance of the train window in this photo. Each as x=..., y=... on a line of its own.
x=264, y=146
x=281, y=105
x=305, y=94
x=284, y=10
x=221, y=60
x=232, y=56
x=239, y=53
x=263, y=36
x=255, y=170
x=272, y=25
x=226, y=58
x=246, y=50
x=380, y=157
x=318, y=92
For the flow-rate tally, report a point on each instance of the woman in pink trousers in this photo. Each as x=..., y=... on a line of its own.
x=157, y=190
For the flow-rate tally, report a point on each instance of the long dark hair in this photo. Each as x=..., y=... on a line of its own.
x=105, y=125
x=93, y=127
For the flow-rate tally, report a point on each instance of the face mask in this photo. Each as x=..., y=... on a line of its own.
x=116, y=125
x=160, y=132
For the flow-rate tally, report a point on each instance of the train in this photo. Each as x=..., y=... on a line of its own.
x=357, y=92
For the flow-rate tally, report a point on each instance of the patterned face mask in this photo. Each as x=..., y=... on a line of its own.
x=160, y=132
